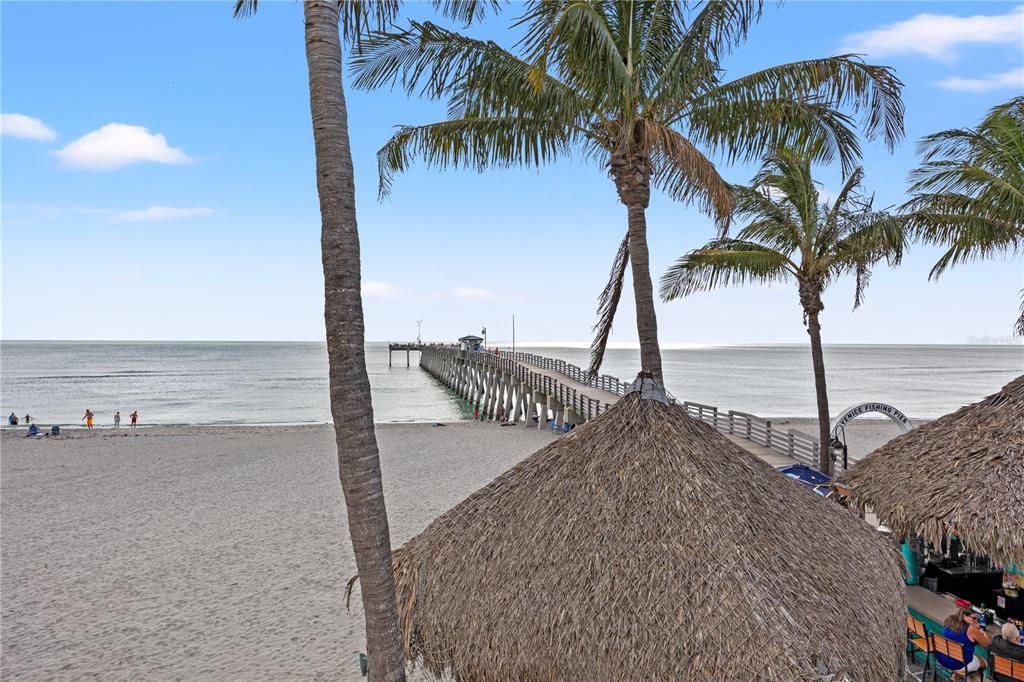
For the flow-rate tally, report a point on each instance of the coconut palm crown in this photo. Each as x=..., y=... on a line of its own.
x=794, y=236
x=969, y=190
x=637, y=87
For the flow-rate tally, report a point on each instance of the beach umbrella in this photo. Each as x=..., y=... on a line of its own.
x=646, y=545
x=961, y=473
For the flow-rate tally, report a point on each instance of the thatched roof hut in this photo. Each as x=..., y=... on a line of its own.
x=962, y=472
x=645, y=545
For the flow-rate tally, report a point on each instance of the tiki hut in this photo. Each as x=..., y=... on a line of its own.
x=645, y=545
x=963, y=472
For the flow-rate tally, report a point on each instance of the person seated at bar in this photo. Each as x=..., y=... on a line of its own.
x=1008, y=645
x=963, y=627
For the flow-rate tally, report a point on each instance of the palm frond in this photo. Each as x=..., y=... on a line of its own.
x=475, y=143
x=467, y=11
x=871, y=237
x=245, y=8
x=747, y=130
x=977, y=239
x=688, y=62
x=607, y=305
x=1018, y=328
x=724, y=262
x=356, y=18
x=842, y=82
x=832, y=225
x=788, y=174
x=685, y=174
x=969, y=188
x=575, y=37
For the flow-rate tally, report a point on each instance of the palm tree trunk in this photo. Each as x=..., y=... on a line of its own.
x=643, y=293
x=631, y=170
x=818, y=360
x=351, y=409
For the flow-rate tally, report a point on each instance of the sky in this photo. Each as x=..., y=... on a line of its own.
x=157, y=183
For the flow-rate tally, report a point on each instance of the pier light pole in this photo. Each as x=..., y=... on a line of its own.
x=418, y=323
x=484, y=332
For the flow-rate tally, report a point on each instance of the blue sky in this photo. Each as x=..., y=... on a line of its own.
x=159, y=184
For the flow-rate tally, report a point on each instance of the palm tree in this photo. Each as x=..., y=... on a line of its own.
x=969, y=190
x=636, y=87
x=351, y=406
x=794, y=236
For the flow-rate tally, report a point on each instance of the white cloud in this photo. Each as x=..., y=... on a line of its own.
x=472, y=293
x=938, y=35
x=116, y=145
x=20, y=125
x=996, y=81
x=159, y=214
x=380, y=289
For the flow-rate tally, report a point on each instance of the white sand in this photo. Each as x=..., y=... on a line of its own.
x=216, y=553
x=207, y=553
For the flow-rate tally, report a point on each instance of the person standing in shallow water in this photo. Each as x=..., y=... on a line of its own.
x=117, y=419
x=88, y=418
x=134, y=416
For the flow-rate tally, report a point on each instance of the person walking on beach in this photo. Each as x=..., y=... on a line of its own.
x=134, y=416
x=117, y=419
x=88, y=418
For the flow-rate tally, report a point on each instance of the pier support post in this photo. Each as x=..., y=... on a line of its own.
x=541, y=401
x=520, y=404
x=508, y=395
x=570, y=416
x=556, y=412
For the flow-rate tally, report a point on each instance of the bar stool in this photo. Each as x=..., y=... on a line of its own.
x=1007, y=666
x=954, y=650
x=918, y=640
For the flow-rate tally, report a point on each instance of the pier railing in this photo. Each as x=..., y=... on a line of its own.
x=790, y=442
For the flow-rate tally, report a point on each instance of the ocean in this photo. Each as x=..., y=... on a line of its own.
x=286, y=383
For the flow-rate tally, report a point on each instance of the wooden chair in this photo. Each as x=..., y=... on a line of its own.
x=918, y=640
x=1007, y=667
x=954, y=650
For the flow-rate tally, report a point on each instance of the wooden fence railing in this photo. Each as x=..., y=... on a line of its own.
x=791, y=442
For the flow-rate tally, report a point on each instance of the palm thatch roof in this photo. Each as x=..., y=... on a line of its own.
x=962, y=472
x=645, y=545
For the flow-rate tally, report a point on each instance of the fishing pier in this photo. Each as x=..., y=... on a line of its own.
x=513, y=387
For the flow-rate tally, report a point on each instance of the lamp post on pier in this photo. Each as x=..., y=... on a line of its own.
x=418, y=324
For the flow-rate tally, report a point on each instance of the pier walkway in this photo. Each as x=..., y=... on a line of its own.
x=515, y=387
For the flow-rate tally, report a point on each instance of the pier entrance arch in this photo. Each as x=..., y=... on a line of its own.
x=851, y=413
x=838, y=430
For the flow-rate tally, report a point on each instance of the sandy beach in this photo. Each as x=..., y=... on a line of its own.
x=207, y=553
x=211, y=553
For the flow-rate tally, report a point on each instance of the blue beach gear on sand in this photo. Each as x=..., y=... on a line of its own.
x=812, y=478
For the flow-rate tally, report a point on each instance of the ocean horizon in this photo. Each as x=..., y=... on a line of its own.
x=285, y=382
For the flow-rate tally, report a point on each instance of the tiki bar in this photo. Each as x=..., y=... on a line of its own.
x=963, y=549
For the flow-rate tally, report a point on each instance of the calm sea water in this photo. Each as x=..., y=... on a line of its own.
x=267, y=383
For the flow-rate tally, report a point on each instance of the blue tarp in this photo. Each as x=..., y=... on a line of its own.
x=812, y=478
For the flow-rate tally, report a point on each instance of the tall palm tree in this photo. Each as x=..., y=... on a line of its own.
x=636, y=87
x=793, y=236
x=351, y=406
x=968, y=193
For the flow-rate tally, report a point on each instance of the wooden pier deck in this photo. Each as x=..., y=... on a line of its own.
x=514, y=386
